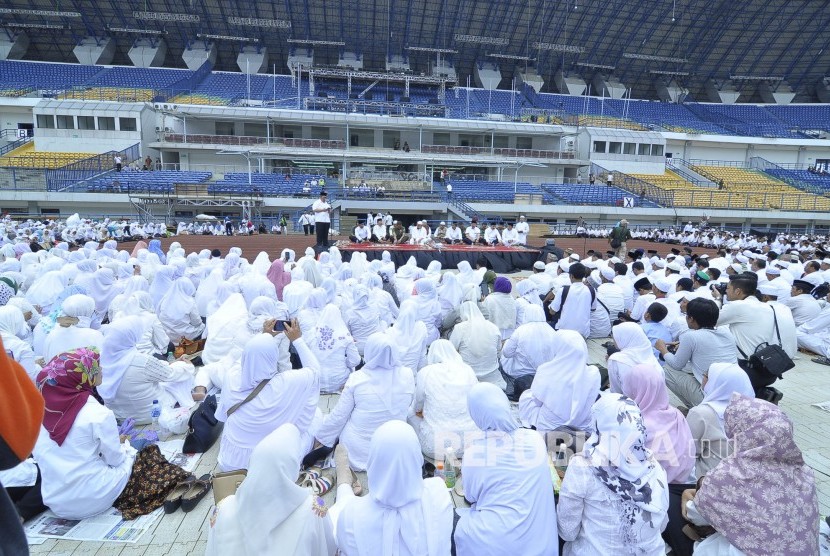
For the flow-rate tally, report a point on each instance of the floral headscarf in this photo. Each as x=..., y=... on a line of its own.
x=66, y=383
x=6, y=293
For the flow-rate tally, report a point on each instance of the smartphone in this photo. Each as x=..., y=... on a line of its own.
x=279, y=326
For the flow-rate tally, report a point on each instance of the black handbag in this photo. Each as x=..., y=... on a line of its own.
x=770, y=359
x=204, y=427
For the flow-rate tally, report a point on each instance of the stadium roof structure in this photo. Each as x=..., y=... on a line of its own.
x=691, y=41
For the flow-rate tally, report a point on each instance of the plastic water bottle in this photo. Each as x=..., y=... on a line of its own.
x=155, y=413
x=450, y=471
x=439, y=470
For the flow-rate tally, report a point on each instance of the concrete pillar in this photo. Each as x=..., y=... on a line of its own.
x=776, y=93
x=722, y=91
x=487, y=75
x=148, y=52
x=670, y=91
x=95, y=50
x=252, y=59
x=570, y=84
x=13, y=45
x=197, y=52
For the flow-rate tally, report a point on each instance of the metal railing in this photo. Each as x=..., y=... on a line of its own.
x=491, y=151
x=6, y=149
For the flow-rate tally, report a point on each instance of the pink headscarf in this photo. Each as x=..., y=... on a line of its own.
x=278, y=276
x=138, y=247
x=667, y=433
x=765, y=480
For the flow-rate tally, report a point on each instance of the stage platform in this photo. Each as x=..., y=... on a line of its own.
x=501, y=259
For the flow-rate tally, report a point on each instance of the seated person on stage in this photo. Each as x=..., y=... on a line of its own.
x=361, y=234
x=473, y=234
x=420, y=234
x=492, y=235
x=509, y=236
x=398, y=233
x=379, y=233
x=441, y=232
x=453, y=234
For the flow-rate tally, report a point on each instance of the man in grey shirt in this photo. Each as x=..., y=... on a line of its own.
x=697, y=349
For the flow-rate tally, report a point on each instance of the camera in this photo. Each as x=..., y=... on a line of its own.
x=721, y=288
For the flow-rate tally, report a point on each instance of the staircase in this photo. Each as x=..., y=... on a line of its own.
x=687, y=172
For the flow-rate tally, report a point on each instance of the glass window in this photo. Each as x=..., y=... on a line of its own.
x=86, y=122
x=524, y=143
x=106, y=123
x=615, y=147
x=127, y=124
x=599, y=146
x=630, y=148
x=46, y=121
x=644, y=149
x=66, y=122
x=657, y=150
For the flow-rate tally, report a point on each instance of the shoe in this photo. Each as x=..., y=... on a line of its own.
x=174, y=499
x=822, y=361
x=198, y=490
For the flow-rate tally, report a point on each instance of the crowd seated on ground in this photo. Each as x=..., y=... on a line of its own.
x=424, y=362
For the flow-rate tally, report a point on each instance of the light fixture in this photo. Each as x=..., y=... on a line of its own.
x=225, y=38
x=34, y=26
x=651, y=58
x=596, y=66
x=42, y=13
x=511, y=57
x=135, y=31
x=166, y=16
x=477, y=39
x=666, y=72
x=755, y=78
x=260, y=22
x=430, y=49
x=555, y=47
x=316, y=43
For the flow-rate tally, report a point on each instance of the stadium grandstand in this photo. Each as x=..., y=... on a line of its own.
x=553, y=111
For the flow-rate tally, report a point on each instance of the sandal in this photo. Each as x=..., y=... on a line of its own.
x=357, y=488
x=197, y=491
x=174, y=499
x=822, y=361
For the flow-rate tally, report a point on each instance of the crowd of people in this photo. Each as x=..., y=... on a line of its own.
x=593, y=459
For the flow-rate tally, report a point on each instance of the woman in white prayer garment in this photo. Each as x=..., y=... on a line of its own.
x=310, y=313
x=500, y=307
x=285, y=395
x=530, y=345
x=45, y=290
x=404, y=278
x=226, y=362
x=403, y=514
x=635, y=349
x=528, y=295
x=507, y=482
x=131, y=285
x=425, y=296
x=335, y=349
x=154, y=341
x=478, y=341
x=564, y=388
x=450, y=294
x=221, y=327
x=381, y=298
x=133, y=380
x=179, y=314
x=362, y=317
x=440, y=415
x=269, y=511
x=11, y=323
x=72, y=330
x=381, y=391
x=410, y=335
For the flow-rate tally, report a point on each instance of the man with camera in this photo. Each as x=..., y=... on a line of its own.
x=753, y=323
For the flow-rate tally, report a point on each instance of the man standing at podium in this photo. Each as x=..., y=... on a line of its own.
x=322, y=219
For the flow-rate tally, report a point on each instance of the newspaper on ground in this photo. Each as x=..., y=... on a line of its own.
x=824, y=406
x=107, y=526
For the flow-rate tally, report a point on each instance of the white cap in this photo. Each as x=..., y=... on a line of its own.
x=737, y=267
x=443, y=224
x=594, y=277
x=773, y=271
x=660, y=263
x=615, y=260
x=741, y=259
x=663, y=285
x=813, y=278
x=768, y=288
x=704, y=256
x=607, y=272
x=673, y=266
x=539, y=265
x=574, y=257
x=564, y=265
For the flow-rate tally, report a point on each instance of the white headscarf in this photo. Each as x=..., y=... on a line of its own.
x=466, y=274
x=162, y=280
x=11, y=321
x=46, y=289
x=635, y=349
x=450, y=292
x=382, y=366
x=222, y=327
x=118, y=352
x=262, y=263
x=80, y=307
x=178, y=301
x=269, y=509
x=566, y=385
x=724, y=379
x=394, y=518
